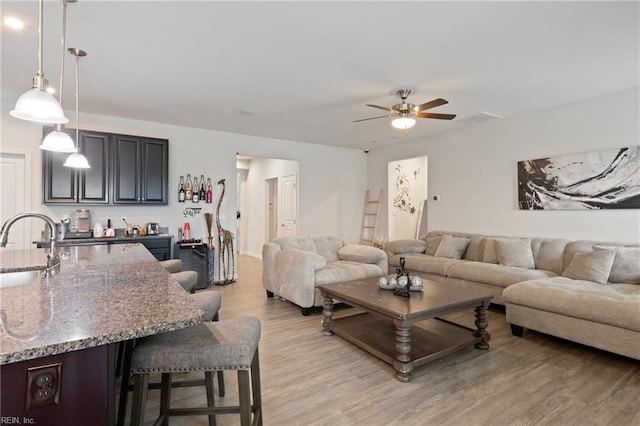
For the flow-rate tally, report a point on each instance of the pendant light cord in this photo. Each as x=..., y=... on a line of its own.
x=63, y=41
x=40, y=11
x=78, y=103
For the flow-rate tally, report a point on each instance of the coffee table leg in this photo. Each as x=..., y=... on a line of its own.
x=327, y=311
x=402, y=364
x=482, y=322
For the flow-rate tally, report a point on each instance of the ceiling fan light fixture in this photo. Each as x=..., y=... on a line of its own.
x=403, y=122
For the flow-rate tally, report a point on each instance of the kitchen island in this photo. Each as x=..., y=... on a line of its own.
x=58, y=333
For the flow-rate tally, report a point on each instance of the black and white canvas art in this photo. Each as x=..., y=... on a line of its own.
x=597, y=180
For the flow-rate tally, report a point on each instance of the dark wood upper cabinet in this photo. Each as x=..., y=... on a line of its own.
x=64, y=185
x=124, y=170
x=141, y=170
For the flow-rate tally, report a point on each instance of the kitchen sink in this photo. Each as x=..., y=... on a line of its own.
x=14, y=279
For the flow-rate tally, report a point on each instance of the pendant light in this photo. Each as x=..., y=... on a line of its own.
x=37, y=104
x=58, y=140
x=77, y=160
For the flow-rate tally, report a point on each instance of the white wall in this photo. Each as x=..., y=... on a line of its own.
x=332, y=180
x=473, y=170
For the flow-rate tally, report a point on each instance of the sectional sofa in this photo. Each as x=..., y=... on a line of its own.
x=584, y=291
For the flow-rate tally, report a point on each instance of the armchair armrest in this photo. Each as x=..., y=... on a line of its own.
x=294, y=275
x=364, y=254
x=405, y=246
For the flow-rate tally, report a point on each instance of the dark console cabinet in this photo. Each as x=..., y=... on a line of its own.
x=124, y=170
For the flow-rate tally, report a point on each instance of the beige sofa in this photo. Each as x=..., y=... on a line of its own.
x=584, y=291
x=294, y=267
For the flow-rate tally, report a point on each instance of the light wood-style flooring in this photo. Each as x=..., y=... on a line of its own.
x=311, y=379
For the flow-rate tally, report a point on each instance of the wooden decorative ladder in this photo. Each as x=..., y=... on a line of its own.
x=370, y=219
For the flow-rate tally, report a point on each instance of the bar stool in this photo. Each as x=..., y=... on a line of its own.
x=172, y=265
x=224, y=345
x=210, y=302
x=187, y=279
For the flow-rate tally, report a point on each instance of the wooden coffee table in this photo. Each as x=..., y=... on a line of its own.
x=386, y=326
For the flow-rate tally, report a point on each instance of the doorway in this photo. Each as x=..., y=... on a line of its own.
x=268, y=201
x=15, y=193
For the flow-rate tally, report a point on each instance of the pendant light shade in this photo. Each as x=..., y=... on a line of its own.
x=58, y=141
x=37, y=104
x=77, y=160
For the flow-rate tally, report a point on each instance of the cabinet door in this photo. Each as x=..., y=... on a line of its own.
x=155, y=171
x=65, y=185
x=126, y=170
x=58, y=182
x=94, y=182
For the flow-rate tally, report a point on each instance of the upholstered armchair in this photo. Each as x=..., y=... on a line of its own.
x=294, y=267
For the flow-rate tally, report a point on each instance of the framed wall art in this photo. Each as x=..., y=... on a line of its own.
x=596, y=180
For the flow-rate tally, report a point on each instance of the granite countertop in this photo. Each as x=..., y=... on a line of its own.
x=102, y=294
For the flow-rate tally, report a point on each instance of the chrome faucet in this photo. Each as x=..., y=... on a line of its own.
x=53, y=260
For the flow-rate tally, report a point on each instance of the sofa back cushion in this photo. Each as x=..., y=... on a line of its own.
x=472, y=251
x=550, y=255
x=626, y=264
x=325, y=245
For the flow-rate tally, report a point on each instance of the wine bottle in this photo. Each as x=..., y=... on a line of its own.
x=203, y=193
x=181, y=191
x=209, y=193
x=195, y=193
x=187, y=189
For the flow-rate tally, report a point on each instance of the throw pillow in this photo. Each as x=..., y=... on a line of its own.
x=593, y=266
x=432, y=245
x=452, y=247
x=515, y=252
x=490, y=252
x=626, y=264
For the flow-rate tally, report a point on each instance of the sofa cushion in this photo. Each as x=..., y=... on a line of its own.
x=615, y=304
x=550, y=255
x=344, y=270
x=361, y=253
x=406, y=246
x=432, y=245
x=420, y=262
x=489, y=250
x=594, y=266
x=327, y=246
x=515, y=252
x=452, y=247
x=626, y=264
x=498, y=275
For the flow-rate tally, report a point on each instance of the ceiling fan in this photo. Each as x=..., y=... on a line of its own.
x=405, y=113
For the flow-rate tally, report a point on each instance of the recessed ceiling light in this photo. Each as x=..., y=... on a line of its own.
x=246, y=111
x=13, y=22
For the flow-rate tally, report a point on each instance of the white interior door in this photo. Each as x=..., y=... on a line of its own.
x=14, y=195
x=289, y=223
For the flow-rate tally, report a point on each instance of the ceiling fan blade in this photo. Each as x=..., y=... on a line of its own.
x=372, y=118
x=431, y=104
x=379, y=107
x=436, y=116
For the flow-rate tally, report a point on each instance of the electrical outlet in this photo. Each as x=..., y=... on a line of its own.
x=43, y=385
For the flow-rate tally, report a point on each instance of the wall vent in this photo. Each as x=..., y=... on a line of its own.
x=482, y=116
